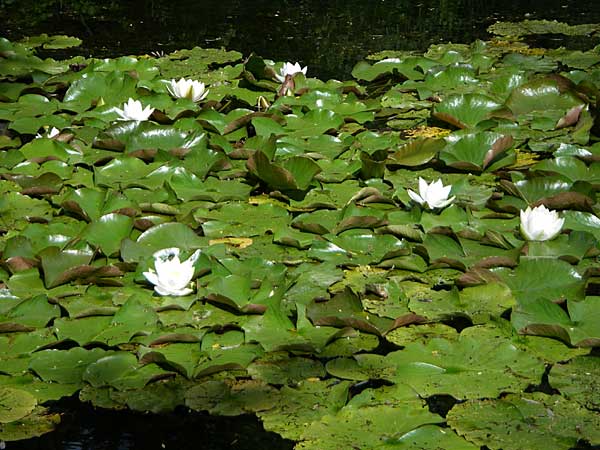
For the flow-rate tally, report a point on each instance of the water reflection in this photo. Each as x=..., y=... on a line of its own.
x=329, y=36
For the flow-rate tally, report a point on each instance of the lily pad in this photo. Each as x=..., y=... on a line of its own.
x=536, y=421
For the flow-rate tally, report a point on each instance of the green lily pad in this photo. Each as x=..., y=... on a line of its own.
x=121, y=371
x=64, y=366
x=416, y=152
x=295, y=173
x=535, y=421
x=465, y=111
x=302, y=404
x=39, y=422
x=478, y=151
x=578, y=380
x=556, y=280
x=108, y=232
x=542, y=94
x=15, y=404
x=35, y=312
x=161, y=236
x=459, y=367
x=369, y=420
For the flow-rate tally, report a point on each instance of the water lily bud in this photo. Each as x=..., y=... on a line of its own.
x=170, y=276
x=540, y=223
x=133, y=110
x=431, y=196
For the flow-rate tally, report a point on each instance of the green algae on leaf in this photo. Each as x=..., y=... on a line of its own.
x=537, y=421
x=577, y=379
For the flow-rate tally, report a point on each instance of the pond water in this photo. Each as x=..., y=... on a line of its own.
x=329, y=37
x=86, y=428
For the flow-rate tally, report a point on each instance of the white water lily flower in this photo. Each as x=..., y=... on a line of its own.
x=540, y=223
x=434, y=195
x=133, y=110
x=290, y=69
x=52, y=133
x=171, y=276
x=185, y=88
x=389, y=60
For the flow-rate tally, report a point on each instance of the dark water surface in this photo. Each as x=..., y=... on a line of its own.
x=329, y=36
x=86, y=428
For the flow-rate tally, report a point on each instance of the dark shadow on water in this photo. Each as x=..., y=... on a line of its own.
x=86, y=428
x=328, y=36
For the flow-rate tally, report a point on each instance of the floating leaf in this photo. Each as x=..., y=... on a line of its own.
x=477, y=151
x=578, y=380
x=535, y=421
x=15, y=404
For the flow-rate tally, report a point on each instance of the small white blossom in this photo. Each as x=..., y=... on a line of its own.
x=540, y=223
x=185, y=88
x=133, y=110
x=389, y=60
x=170, y=276
x=290, y=69
x=434, y=195
x=50, y=134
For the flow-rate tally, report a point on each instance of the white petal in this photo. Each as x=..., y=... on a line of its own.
x=423, y=186
x=414, y=196
x=540, y=223
x=166, y=253
x=174, y=292
x=151, y=276
x=444, y=203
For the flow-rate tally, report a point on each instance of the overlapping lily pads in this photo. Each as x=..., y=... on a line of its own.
x=324, y=300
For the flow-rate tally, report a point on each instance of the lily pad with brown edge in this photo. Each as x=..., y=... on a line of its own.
x=465, y=111
x=345, y=310
x=478, y=151
x=543, y=94
x=34, y=312
x=294, y=173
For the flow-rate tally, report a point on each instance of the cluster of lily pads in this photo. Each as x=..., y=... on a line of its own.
x=408, y=259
